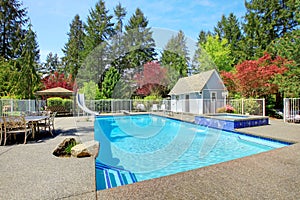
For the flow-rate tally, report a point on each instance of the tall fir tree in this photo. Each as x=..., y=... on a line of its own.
x=51, y=65
x=120, y=13
x=229, y=28
x=117, y=44
x=12, y=19
x=28, y=79
x=99, y=27
x=175, y=54
x=265, y=21
x=138, y=41
x=73, y=49
x=96, y=56
x=288, y=47
x=202, y=39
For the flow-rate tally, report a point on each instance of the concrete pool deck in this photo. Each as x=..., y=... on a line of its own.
x=30, y=171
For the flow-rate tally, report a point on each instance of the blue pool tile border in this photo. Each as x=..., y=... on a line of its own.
x=230, y=125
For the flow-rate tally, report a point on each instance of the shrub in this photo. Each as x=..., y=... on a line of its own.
x=70, y=146
x=67, y=103
x=55, y=101
x=252, y=107
x=226, y=109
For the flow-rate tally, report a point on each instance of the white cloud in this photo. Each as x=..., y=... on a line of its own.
x=206, y=3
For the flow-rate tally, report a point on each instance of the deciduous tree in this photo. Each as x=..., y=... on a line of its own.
x=255, y=78
x=58, y=80
x=152, y=80
x=215, y=54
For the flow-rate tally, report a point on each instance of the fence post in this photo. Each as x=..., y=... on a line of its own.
x=264, y=107
x=242, y=106
x=11, y=106
x=284, y=110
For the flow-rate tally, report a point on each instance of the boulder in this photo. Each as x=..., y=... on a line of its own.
x=86, y=149
x=61, y=148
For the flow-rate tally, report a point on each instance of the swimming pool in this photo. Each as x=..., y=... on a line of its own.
x=141, y=147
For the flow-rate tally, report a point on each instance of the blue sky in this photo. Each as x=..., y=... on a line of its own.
x=51, y=18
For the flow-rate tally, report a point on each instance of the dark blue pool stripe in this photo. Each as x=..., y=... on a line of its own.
x=107, y=178
x=120, y=177
x=133, y=177
x=110, y=167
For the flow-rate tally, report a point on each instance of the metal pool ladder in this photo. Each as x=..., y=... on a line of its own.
x=109, y=176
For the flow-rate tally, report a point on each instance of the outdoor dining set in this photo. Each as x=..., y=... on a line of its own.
x=28, y=123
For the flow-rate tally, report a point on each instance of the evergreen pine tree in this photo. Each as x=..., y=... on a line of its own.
x=265, y=21
x=175, y=54
x=120, y=13
x=97, y=54
x=28, y=78
x=99, y=27
x=51, y=65
x=12, y=19
x=74, y=47
x=117, y=44
x=110, y=80
x=229, y=28
x=138, y=42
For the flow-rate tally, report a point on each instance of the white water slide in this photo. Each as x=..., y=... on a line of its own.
x=81, y=104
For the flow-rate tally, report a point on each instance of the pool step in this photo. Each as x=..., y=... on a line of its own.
x=109, y=176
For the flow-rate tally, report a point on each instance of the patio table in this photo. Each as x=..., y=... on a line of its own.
x=34, y=120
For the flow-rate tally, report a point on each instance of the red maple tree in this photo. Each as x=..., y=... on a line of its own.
x=255, y=78
x=152, y=79
x=58, y=80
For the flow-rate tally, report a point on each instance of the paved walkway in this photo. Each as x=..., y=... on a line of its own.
x=30, y=171
x=278, y=130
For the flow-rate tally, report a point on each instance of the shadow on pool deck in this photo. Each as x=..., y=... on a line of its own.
x=31, y=171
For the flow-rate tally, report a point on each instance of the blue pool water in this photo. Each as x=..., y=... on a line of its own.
x=141, y=147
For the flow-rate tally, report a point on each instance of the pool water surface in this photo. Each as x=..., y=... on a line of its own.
x=143, y=147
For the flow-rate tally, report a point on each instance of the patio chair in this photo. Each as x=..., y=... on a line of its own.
x=154, y=107
x=48, y=123
x=163, y=107
x=14, y=125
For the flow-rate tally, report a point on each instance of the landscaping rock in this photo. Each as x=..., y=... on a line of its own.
x=86, y=149
x=60, y=149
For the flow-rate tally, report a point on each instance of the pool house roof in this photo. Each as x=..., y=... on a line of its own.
x=191, y=84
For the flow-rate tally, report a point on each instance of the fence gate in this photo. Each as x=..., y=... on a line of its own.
x=291, y=109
